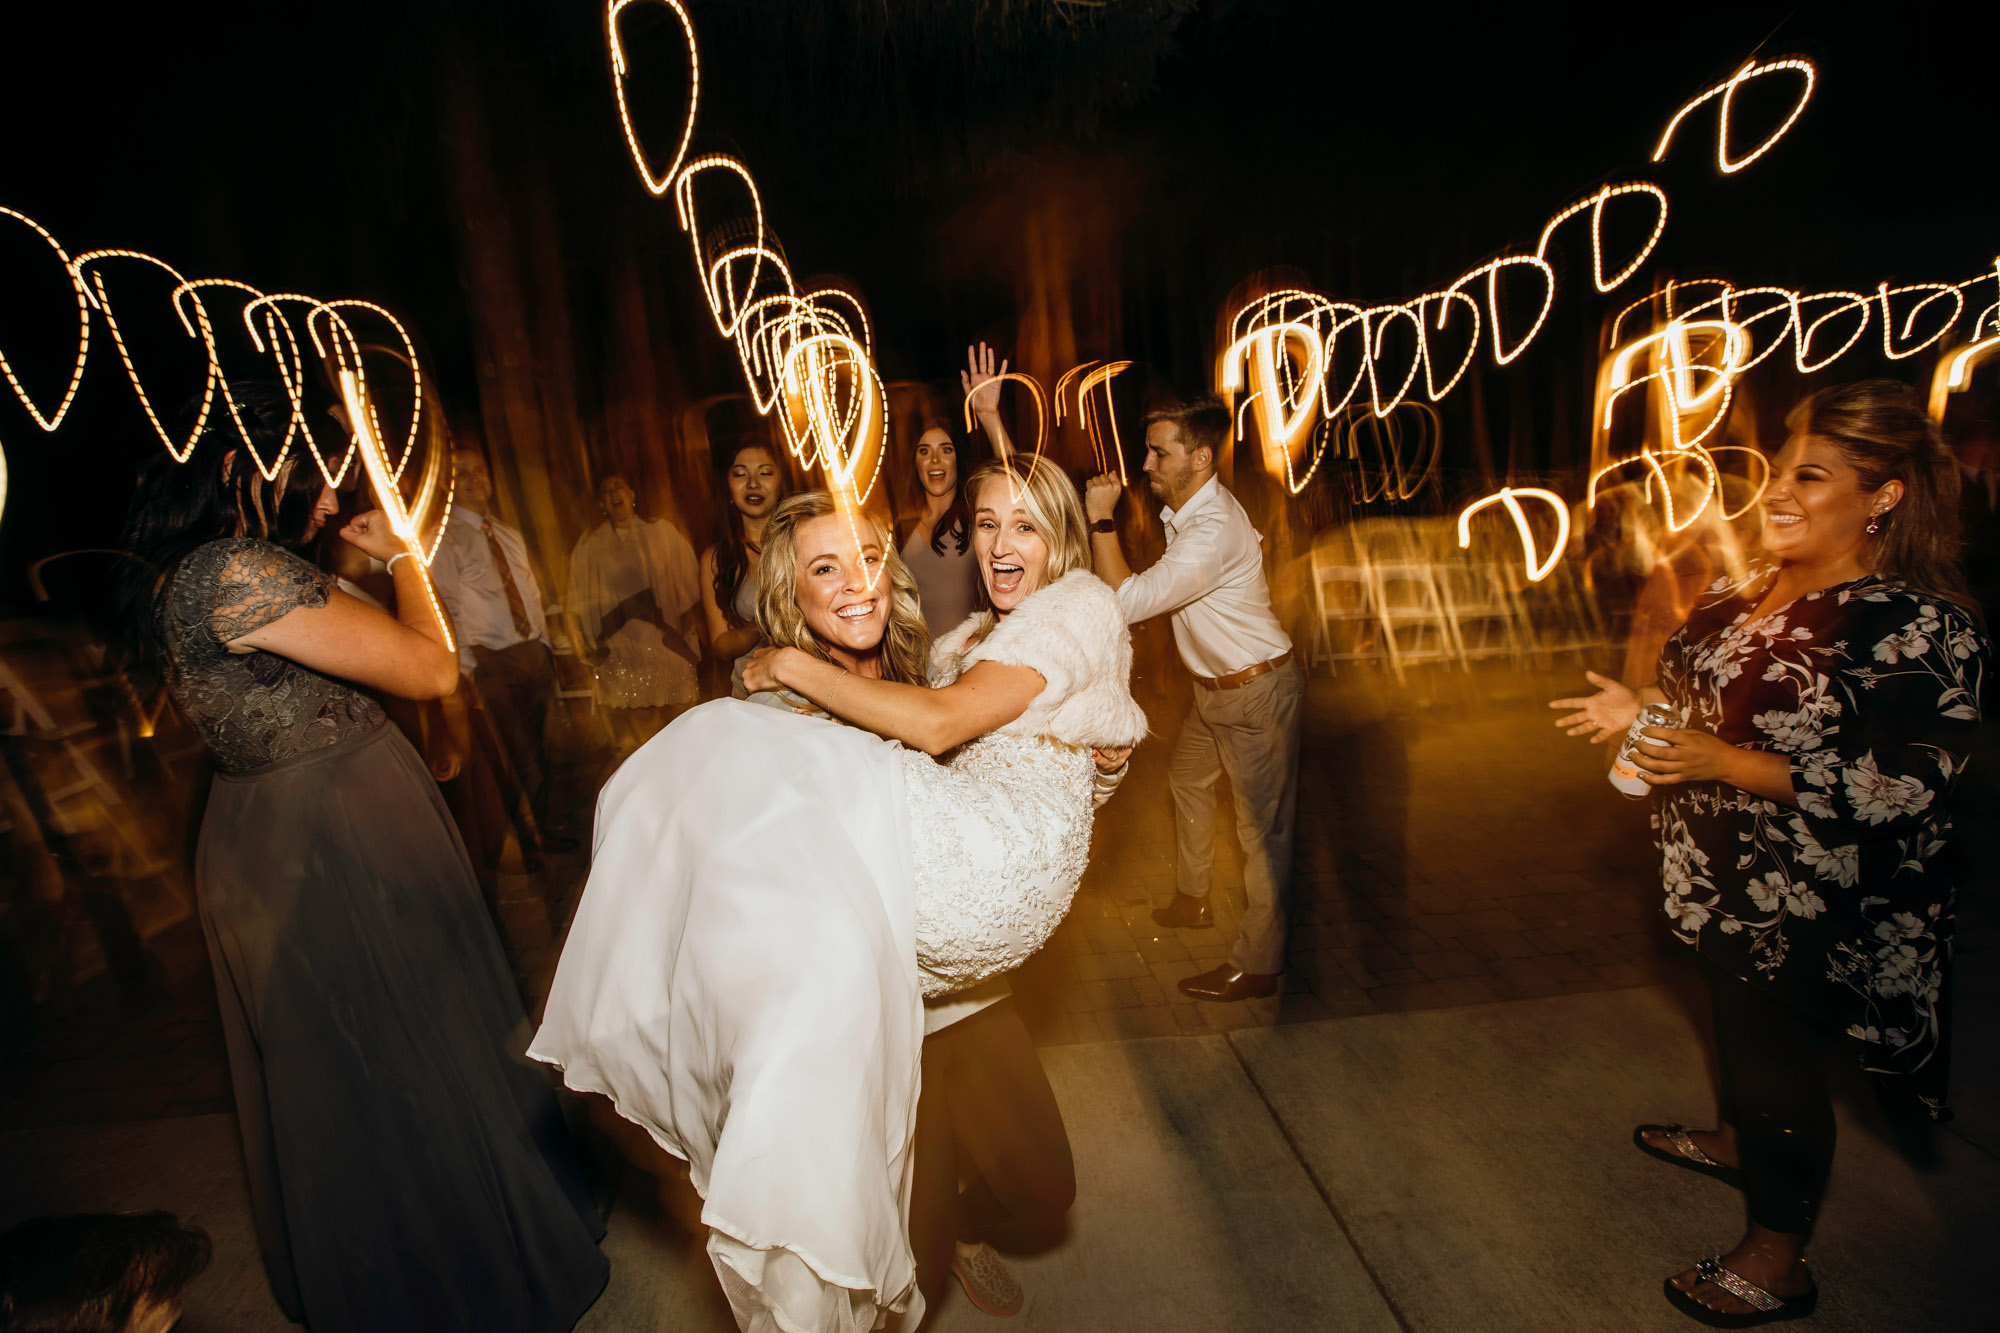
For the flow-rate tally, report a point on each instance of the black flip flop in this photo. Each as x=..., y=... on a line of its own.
x=1700, y=1163
x=1768, y=1309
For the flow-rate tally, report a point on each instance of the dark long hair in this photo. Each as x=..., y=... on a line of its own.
x=218, y=492
x=88, y=1272
x=1884, y=433
x=732, y=549
x=957, y=520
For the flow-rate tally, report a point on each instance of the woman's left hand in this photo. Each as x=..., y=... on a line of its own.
x=1669, y=755
x=1110, y=759
x=760, y=673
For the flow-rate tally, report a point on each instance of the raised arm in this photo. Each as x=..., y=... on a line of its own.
x=404, y=655
x=982, y=389
x=1107, y=553
x=988, y=696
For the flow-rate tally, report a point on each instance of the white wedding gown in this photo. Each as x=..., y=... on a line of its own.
x=770, y=900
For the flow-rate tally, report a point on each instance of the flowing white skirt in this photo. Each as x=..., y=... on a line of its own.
x=741, y=981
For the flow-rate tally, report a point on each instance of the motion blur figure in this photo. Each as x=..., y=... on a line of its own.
x=632, y=587
x=98, y=1273
x=488, y=586
x=1804, y=811
x=404, y=1171
x=1248, y=695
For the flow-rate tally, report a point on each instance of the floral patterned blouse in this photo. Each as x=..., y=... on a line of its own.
x=1843, y=906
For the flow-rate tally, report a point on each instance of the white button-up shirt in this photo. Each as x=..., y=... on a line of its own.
x=468, y=583
x=1212, y=580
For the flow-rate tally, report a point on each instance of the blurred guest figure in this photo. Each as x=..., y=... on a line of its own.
x=483, y=576
x=1804, y=813
x=937, y=542
x=750, y=484
x=633, y=588
x=98, y=1273
x=403, y=1170
x=1248, y=690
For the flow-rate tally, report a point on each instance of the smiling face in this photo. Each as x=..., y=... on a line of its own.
x=937, y=463
x=472, y=485
x=1013, y=554
x=1815, y=510
x=614, y=493
x=843, y=612
x=753, y=482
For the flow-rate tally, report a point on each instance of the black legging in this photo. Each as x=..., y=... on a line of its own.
x=986, y=1104
x=1774, y=1092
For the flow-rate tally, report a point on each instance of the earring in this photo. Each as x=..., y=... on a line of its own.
x=1874, y=523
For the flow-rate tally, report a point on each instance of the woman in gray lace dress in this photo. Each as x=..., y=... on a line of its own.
x=405, y=1172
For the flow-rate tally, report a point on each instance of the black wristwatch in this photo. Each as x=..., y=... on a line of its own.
x=1104, y=525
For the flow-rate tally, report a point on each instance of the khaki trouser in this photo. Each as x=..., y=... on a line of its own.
x=1252, y=734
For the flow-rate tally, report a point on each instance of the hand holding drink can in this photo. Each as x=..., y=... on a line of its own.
x=1625, y=775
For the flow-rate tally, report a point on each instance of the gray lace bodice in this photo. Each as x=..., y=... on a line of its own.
x=253, y=708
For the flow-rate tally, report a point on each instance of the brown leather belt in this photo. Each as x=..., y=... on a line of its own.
x=1236, y=680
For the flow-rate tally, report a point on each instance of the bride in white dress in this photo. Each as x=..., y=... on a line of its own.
x=771, y=898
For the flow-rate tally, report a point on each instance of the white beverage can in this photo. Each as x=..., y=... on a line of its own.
x=1625, y=774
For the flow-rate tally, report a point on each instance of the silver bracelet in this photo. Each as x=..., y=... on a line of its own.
x=836, y=686
x=390, y=563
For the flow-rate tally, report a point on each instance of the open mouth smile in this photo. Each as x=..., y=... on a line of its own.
x=856, y=611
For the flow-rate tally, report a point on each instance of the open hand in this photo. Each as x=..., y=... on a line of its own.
x=370, y=534
x=1604, y=714
x=981, y=380
x=1670, y=755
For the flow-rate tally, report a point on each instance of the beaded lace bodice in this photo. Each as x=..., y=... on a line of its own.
x=256, y=708
x=1000, y=834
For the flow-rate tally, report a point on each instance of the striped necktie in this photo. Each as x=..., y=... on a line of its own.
x=515, y=606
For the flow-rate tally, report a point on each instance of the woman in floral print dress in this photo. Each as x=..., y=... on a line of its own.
x=1829, y=698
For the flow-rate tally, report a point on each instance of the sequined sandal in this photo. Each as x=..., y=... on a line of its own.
x=1685, y=1154
x=987, y=1282
x=1764, y=1307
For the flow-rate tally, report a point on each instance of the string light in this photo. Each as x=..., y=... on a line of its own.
x=291, y=374
x=1727, y=92
x=1444, y=301
x=50, y=421
x=1406, y=482
x=1802, y=341
x=657, y=184
x=1102, y=376
x=1283, y=411
x=1509, y=498
x=1596, y=206
x=102, y=300
x=684, y=208
x=1035, y=392
x=270, y=472
x=1938, y=291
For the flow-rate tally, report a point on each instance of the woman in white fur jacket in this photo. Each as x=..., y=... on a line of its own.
x=772, y=898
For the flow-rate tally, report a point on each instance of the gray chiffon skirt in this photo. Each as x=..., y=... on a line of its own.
x=407, y=1169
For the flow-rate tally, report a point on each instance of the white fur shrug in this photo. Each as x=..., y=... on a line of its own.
x=1074, y=635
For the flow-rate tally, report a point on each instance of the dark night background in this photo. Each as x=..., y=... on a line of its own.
x=1067, y=180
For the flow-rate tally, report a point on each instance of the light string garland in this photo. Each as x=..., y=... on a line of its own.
x=270, y=334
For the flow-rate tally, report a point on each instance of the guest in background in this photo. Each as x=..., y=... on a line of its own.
x=1804, y=811
x=98, y=1273
x=1248, y=690
x=937, y=541
x=750, y=484
x=487, y=583
x=633, y=590
x=404, y=1171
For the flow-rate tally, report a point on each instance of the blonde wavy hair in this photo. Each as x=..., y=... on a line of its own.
x=906, y=643
x=1051, y=500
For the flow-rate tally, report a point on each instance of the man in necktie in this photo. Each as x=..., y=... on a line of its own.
x=1248, y=694
x=484, y=578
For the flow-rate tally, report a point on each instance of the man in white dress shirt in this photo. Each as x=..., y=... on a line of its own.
x=484, y=578
x=1248, y=690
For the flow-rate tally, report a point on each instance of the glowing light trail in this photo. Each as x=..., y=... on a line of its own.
x=402, y=522
x=102, y=300
x=658, y=184
x=49, y=421
x=1727, y=92
x=1509, y=498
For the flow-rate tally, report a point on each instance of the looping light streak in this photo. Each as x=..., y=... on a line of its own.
x=1696, y=455
x=187, y=291
x=837, y=434
x=402, y=521
x=1471, y=347
x=684, y=208
x=49, y=421
x=102, y=300
x=1596, y=205
x=1938, y=291
x=1088, y=376
x=1509, y=498
x=1035, y=391
x=1727, y=92
x=658, y=184
x=1397, y=479
x=1285, y=402
x=1802, y=342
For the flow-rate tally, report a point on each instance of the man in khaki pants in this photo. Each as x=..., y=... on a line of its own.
x=1248, y=690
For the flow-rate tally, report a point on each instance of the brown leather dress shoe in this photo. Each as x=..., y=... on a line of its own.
x=1225, y=983
x=1184, y=913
